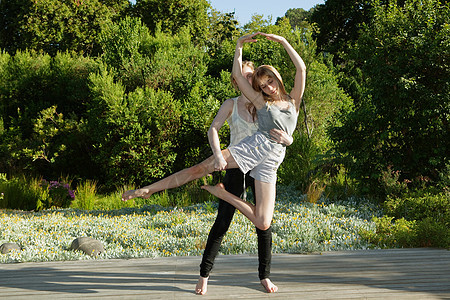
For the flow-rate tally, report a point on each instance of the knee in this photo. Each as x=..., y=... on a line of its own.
x=264, y=233
x=196, y=170
x=263, y=224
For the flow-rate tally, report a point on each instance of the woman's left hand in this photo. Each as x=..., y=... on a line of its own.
x=281, y=137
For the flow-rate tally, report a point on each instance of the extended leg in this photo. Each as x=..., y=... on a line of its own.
x=179, y=178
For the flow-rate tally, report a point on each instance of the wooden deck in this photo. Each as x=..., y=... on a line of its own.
x=375, y=274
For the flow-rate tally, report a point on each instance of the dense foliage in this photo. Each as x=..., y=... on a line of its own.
x=123, y=95
x=141, y=108
x=173, y=15
x=56, y=25
x=402, y=123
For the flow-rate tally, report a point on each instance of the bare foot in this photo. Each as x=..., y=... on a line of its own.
x=143, y=193
x=217, y=190
x=269, y=286
x=202, y=285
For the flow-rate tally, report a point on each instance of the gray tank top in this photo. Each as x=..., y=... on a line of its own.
x=272, y=116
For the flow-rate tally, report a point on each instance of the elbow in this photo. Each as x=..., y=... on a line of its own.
x=212, y=132
x=302, y=68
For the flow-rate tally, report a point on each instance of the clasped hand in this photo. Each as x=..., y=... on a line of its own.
x=250, y=38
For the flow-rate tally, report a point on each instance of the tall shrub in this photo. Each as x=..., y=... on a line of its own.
x=402, y=123
x=133, y=135
x=55, y=25
x=42, y=103
x=170, y=63
x=173, y=15
x=123, y=49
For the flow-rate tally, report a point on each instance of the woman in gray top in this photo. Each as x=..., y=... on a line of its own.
x=260, y=152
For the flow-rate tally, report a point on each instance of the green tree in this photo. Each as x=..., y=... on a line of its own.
x=123, y=49
x=336, y=26
x=55, y=25
x=172, y=15
x=338, y=23
x=166, y=61
x=403, y=122
x=133, y=135
x=298, y=17
x=257, y=23
x=169, y=63
x=42, y=103
x=222, y=27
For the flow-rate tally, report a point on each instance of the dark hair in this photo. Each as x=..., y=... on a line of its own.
x=245, y=63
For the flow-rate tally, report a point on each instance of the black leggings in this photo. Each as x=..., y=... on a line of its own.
x=234, y=183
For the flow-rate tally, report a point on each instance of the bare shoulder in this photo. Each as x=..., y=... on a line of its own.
x=229, y=101
x=226, y=108
x=228, y=104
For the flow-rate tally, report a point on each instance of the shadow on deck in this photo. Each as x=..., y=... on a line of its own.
x=376, y=274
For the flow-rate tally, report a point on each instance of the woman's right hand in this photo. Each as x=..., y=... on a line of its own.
x=249, y=38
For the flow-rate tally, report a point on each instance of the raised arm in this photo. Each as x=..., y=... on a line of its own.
x=213, y=134
x=244, y=86
x=300, y=74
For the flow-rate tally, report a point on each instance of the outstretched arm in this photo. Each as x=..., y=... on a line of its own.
x=244, y=86
x=300, y=74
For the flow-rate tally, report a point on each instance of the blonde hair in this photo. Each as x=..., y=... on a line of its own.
x=266, y=70
x=245, y=63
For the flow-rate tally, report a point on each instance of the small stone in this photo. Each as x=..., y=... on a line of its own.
x=7, y=247
x=88, y=245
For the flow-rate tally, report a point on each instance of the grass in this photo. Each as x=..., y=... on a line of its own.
x=298, y=227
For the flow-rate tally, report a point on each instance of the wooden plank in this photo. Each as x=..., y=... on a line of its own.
x=374, y=274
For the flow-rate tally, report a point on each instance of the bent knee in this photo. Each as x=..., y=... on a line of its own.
x=263, y=224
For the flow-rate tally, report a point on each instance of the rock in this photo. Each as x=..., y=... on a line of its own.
x=88, y=245
x=7, y=247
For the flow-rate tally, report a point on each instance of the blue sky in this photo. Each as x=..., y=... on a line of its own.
x=244, y=9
